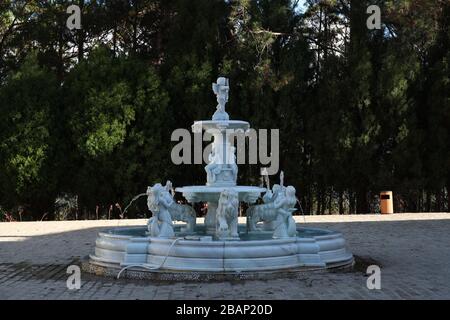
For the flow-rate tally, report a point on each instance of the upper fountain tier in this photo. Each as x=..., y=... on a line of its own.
x=221, y=169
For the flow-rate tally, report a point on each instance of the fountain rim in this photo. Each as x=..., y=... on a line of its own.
x=326, y=234
x=219, y=189
x=218, y=124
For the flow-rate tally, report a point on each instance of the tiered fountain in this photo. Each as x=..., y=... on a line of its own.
x=269, y=243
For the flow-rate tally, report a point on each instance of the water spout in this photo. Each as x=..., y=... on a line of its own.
x=131, y=202
x=301, y=209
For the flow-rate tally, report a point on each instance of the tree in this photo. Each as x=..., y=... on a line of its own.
x=28, y=102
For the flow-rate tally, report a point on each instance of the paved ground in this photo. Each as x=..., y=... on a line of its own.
x=413, y=251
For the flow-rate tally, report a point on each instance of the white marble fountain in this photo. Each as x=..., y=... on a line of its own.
x=269, y=242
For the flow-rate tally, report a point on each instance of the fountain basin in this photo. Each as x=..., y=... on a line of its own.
x=254, y=252
x=198, y=126
x=193, y=194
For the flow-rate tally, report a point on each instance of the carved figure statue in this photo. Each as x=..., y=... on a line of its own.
x=185, y=213
x=231, y=161
x=227, y=214
x=213, y=167
x=276, y=212
x=265, y=212
x=159, y=201
x=221, y=89
x=285, y=206
x=217, y=170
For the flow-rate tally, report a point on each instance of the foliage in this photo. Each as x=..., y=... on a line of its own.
x=88, y=113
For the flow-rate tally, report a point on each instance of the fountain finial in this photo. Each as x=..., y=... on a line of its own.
x=221, y=89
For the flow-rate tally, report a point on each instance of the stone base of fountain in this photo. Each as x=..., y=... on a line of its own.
x=255, y=256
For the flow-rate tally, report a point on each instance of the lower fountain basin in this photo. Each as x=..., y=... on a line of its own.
x=200, y=253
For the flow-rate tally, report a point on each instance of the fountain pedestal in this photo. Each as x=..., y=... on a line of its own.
x=210, y=219
x=221, y=171
x=211, y=195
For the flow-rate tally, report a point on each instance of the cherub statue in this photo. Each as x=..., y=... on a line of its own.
x=231, y=161
x=227, y=214
x=158, y=201
x=285, y=206
x=161, y=203
x=276, y=212
x=217, y=165
x=213, y=167
x=221, y=89
x=265, y=212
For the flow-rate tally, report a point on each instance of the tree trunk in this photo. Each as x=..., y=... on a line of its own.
x=428, y=202
x=322, y=201
x=361, y=201
x=351, y=208
x=421, y=207
x=310, y=201
x=319, y=202
x=439, y=200
x=330, y=202
x=115, y=41
x=448, y=194
x=81, y=36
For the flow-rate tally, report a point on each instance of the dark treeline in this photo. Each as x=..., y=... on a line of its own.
x=87, y=115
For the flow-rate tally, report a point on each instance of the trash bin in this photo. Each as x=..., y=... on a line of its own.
x=386, y=202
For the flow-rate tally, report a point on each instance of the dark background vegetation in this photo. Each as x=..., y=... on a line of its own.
x=86, y=115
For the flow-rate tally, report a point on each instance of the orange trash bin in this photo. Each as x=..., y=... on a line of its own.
x=386, y=202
